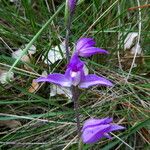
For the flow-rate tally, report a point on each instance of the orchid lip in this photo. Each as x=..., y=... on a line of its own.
x=73, y=74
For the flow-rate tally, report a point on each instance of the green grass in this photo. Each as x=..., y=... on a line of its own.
x=49, y=122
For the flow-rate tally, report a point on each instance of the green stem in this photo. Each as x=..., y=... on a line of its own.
x=68, y=28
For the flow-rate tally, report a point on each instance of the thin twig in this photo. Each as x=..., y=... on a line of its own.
x=137, y=7
x=69, y=143
x=6, y=44
x=19, y=143
x=122, y=141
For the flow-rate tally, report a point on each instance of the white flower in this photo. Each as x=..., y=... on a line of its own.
x=54, y=90
x=25, y=58
x=3, y=76
x=54, y=54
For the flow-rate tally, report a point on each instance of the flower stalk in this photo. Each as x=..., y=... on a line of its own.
x=75, y=97
x=75, y=77
x=74, y=89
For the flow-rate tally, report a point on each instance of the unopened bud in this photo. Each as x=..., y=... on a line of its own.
x=72, y=5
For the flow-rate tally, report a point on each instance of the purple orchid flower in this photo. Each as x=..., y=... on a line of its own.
x=75, y=76
x=85, y=47
x=72, y=4
x=95, y=129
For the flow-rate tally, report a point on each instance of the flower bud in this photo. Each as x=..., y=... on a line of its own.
x=72, y=5
x=94, y=129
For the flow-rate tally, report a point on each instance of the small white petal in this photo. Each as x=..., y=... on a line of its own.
x=44, y=73
x=73, y=74
x=86, y=70
x=130, y=40
x=76, y=77
x=136, y=49
x=16, y=54
x=32, y=49
x=25, y=58
x=3, y=76
x=60, y=91
x=55, y=54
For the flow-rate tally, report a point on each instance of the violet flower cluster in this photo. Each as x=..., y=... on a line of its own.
x=74, y=74
x=93, y=129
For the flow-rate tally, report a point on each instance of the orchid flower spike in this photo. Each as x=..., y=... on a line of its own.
x=72, y=5
x=95, y=129
x=75, y=76
x=85, y=47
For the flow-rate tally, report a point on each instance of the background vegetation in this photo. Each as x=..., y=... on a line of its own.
x=34, y=120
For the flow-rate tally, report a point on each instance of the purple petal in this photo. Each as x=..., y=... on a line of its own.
x=67, y=73
x=94, y=122
x=91, y=80
x=74, y=70
x=75, y=63
x=55, y=78
x=115, y=127
x=107, y=136
x=84, y=42
x=89, y=51
x=93, y=134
